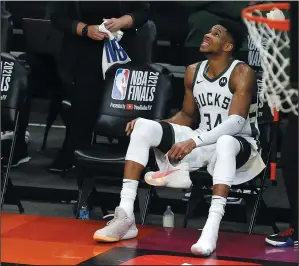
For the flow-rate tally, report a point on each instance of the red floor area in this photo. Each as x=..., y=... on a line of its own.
x=34, y=240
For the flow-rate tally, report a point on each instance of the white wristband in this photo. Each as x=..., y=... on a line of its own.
x=198, y=141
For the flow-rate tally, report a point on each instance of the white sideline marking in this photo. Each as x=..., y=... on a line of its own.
x=44, y=125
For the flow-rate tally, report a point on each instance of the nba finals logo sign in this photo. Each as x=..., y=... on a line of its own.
x=120, y=84
x=135, y=88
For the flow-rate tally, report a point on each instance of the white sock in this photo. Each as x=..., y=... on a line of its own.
x=208, y=239
x=128, y=195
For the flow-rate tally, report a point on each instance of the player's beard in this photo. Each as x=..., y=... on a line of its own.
x=208, y=53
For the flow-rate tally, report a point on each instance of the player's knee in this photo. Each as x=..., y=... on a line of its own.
x=227, y=145
x=141, y=128
x=146, y=129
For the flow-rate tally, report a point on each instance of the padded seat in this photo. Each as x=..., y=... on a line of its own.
x=102, y=159
x=101, y=154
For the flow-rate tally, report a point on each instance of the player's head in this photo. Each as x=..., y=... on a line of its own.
x=225, y=37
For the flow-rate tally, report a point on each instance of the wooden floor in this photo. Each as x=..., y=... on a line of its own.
x=36, y=240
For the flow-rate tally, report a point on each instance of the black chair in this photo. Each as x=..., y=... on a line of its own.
x=13, y=96
x=109, y=159
x=201, y=178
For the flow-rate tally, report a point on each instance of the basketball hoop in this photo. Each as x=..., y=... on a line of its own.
x=270, y=36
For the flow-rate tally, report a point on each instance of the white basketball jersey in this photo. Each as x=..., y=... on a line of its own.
x=214, y=97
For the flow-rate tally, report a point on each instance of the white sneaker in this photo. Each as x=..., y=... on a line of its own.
x=9, y=135
x=120, y=228
x=171, y=176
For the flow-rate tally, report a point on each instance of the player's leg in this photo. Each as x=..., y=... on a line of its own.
x=232, y=153
x=175, y=174
x=146, y=134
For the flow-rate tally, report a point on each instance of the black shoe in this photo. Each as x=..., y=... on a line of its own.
x=20, y=155
x=287, y=238
x=62, y=163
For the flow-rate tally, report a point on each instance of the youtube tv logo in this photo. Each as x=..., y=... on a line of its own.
x=129, y=106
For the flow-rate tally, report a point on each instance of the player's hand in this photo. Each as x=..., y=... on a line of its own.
x=95, y=34
x=181, y=149
x=130, y=127
x=114, y=24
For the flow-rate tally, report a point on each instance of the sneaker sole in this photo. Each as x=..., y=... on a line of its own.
x=162, y=183
x=24, y=160
x=129, y=235
x=156, y=183
x=101, y=238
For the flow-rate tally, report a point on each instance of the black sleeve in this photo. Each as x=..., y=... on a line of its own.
x=59, y=15
x=139, y=11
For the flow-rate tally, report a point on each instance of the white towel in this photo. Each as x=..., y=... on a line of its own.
x=113, y=53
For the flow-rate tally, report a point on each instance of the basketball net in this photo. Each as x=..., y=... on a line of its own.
x=270, y=35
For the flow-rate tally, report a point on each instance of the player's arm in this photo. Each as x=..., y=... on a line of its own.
x=186, y=116
x=243, y=82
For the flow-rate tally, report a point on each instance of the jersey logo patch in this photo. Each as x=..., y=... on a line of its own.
x=223, y=81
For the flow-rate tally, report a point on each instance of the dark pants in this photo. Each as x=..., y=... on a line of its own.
x=43, y=81
x=289, y=159
x=85, y=95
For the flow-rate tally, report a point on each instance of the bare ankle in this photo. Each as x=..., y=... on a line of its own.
x=133, y=170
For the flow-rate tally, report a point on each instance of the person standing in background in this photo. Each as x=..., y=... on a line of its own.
x=80, y=64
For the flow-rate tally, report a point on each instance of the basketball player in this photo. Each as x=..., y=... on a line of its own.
x=222, y=90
